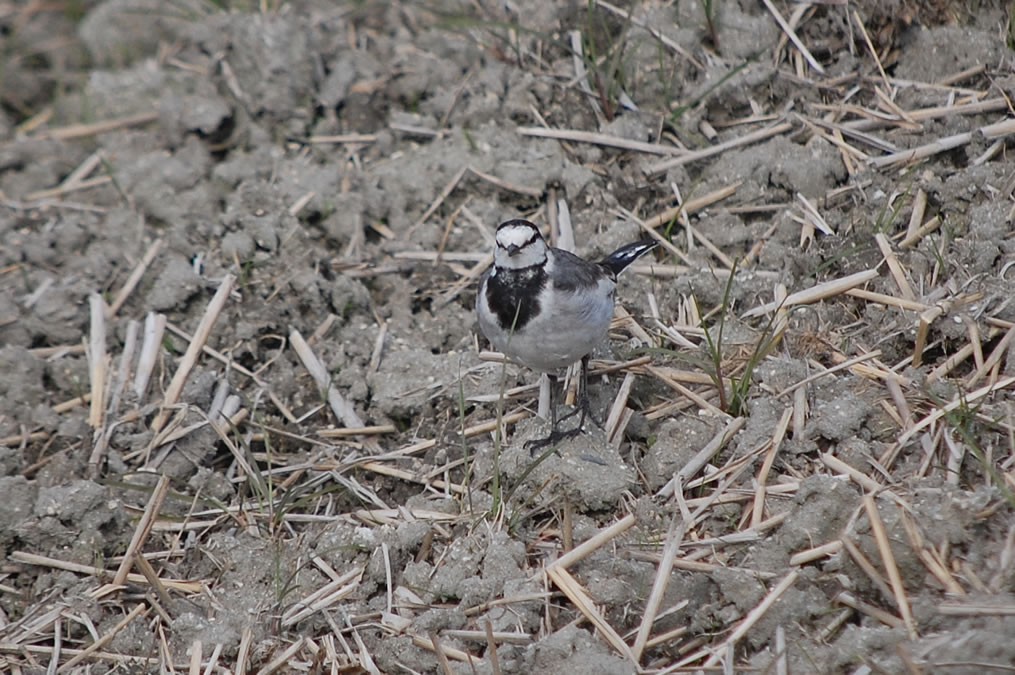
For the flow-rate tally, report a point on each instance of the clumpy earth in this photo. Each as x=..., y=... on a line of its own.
x=247, y=424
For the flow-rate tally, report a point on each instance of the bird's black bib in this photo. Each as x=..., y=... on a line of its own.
x=513, y=295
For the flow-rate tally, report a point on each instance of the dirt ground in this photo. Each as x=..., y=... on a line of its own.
x=247, y=423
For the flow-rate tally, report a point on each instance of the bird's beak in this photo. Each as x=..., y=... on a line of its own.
x=512, y=249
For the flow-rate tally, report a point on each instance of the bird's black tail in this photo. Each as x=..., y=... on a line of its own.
x=618, y=261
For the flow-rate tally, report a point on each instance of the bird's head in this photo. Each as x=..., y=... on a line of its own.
x=519, y=245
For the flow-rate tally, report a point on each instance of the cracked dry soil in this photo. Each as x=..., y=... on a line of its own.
x=338, y=168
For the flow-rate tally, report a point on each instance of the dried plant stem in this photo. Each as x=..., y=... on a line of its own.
x=193, y=351
x=138, y=610
x=818, y=292
x=888, y=558
x=99, y=360
x=133, y=279
x=143, y=529
x=601, y=139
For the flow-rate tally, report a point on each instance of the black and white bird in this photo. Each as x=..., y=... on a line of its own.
x=546, y=308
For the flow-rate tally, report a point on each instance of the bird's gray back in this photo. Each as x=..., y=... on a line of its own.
x=571, y=273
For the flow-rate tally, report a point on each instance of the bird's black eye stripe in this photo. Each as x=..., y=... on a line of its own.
x=531, y=240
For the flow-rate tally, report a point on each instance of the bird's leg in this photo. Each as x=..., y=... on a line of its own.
x=584, y=404
x=584, y=407
x=555, y=434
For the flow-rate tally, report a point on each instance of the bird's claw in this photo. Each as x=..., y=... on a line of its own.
x=555, y=437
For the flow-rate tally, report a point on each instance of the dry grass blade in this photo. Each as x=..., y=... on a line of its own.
x=673, y=540
x=991, y=131
x=126, y=662
x=133, y=279
x=881, y=615
x=442, y=651
x=81, y=130
x=507, y=185
x=744, y=626
x=143, y=529
x=937, y=112
x=358, y=431
x=595, y=542
x=758, y=512
x=820, y=291
x=322, y=598
x=343, y=138
x=138, y=610
x=913, y=238
x=663, y=241
x=123, y=367
x=888, y=558
x=859, y=477
x=863, y=137
x=201, y=335
x=491, y=648
x=98, y=359
x=491, y=637
x=391, y=516
x=704, y=455
x=812, y=554
x=974, y=609
x=930, y=557
x=23, y=439
x=154, y=328
x=474, y=430
x=697, y=399
x=342, y=409
x=916, y=217
x=949, y=364
x=693, y=205
x=791, y=34
x=601, y=139
x=81, y=172
x=402, y=474
x=987, y=364
x=894, y=267
x=442, y=657
x=222, y=423
x=626, y=15
x=614, y=418
x=955, y=403
x=870, y=47
x=239, y=368
x=283, y=659
x=581, y=74
x=719, y=148
x=196, y=653
x=444, y=194
x=887, y=300
x=868, y=568
x=77, y=568
x=43, y=195
x=849, y=363
x=812, y=216
x=577, y=595
x=243, y=651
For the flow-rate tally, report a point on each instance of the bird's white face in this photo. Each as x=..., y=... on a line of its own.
x=519, y=245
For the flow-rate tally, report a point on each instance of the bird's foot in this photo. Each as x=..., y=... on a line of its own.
x=555, y=436
x=585, y=408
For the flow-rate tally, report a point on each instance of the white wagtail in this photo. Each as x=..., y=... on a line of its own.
x=546, y=308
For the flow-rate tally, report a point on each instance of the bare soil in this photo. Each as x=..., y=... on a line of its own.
x=230, y=231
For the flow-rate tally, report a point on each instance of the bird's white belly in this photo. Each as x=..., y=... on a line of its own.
x=562, y=333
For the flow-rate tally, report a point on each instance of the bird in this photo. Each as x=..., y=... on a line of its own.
x=546, y=308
